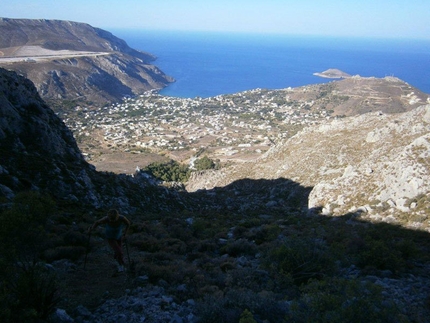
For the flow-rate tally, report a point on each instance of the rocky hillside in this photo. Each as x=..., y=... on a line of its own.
x=247, y=251
x=75, y=61
x=376, y=164
x=39, y=152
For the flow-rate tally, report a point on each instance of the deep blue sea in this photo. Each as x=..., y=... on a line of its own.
x=209, y=64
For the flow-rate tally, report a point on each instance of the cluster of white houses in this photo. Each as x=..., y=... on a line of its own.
x=250, y=120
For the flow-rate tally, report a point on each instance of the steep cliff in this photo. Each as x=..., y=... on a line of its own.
x=38, y=152
x=75, y=61
x=37, y=149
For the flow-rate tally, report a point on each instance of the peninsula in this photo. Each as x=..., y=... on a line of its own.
x=75, y=62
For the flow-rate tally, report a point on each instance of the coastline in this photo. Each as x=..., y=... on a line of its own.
x=210, y=64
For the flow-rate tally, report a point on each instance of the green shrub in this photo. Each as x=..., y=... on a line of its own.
x=204, y=163
x=247, y=317
x=29, y=294
x=341, y=300
x=267, y=232
x=240, y=247
x=163, y=266
x=23, y=225
x=174, y=246
x=380, y=255
x=149, y=244
x=75, y=238
x=171, y=171
x=205, y=228
x=302, y=260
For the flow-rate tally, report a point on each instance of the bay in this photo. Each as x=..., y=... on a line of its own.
x=207, y=64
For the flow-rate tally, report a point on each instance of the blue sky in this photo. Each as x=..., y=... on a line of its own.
x=363, y=18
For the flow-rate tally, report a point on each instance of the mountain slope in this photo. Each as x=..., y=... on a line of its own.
x=38, y=152
x=79, y=62
x=246, y=245
x=375, y=163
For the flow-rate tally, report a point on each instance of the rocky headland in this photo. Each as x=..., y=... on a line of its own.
x=70, y=61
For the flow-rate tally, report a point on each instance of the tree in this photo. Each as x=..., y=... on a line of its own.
x=204, y=163
x=247, y=317
x=170, y=171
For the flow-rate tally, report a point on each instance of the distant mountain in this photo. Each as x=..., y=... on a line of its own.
x=75, y=61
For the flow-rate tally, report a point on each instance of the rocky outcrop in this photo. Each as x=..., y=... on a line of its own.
x=38, y=152
x=34, y=141
x=117, y=72
x=375, y=164
x=385, y=166
x=149, y=304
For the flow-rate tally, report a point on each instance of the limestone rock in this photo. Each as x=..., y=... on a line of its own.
x=362, y=161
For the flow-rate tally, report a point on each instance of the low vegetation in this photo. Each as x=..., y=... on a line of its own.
x=28, y=290
x=273, y=267
x=172, y=171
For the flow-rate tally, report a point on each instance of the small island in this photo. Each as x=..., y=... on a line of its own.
x=333, y=73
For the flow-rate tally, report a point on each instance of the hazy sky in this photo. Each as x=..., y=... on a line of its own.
x=372, y=18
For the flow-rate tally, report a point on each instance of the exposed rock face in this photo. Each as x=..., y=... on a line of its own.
x=37, y=151
x=373, y=162
x=388, y=162
x=33, y=137
x=118, y=71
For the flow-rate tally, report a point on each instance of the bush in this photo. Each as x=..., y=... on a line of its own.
x=247, y=317
x=29, y=295
x=204, y=163
x=205, y=228
x=149, y=244
x=265, y=233
x=302, y=260
x=75, y=238
x=385, y=255
x=171, y=171
x=163, y=266
x=240, y=247
x=22, y=232
x=340, y=300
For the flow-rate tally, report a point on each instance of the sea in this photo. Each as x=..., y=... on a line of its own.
x=207, y=64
